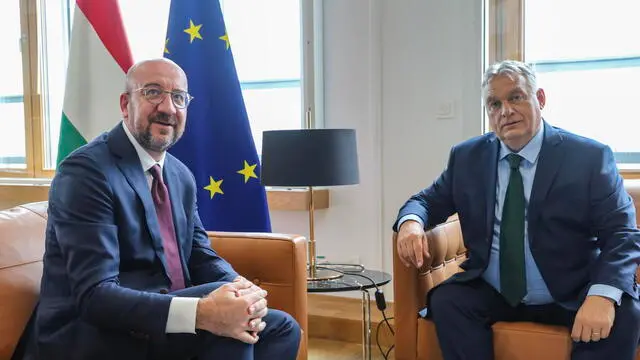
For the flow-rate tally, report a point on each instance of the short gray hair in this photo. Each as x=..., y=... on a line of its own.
x=510, y=68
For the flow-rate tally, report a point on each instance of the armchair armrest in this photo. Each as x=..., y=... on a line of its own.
x=276, y=263
x=407, y=304
x=411, y=285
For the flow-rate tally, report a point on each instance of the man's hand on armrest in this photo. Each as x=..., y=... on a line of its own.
x=412, y=243
x=233, y=310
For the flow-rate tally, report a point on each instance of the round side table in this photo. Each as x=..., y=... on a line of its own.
x=354, y=279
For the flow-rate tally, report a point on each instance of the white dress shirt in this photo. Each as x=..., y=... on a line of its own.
x=182, y=310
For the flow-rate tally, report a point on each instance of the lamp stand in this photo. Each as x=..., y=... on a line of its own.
x=315, y=274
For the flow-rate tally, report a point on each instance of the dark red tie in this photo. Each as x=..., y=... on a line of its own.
x=167, y=230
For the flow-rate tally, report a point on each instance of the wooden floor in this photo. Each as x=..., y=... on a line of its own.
x=335, y=329
x=323, y=349
x=336, y=318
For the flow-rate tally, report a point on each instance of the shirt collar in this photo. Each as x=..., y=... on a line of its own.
x=145, y=159
x=530, y=151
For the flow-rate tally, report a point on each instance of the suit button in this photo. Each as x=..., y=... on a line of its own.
x=164, y=291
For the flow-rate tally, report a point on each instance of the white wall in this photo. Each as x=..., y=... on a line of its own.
x=389, y=66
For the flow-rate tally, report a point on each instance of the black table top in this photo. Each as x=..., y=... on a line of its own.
x=353, y=279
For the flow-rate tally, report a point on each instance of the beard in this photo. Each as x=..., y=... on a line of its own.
x=149, y=142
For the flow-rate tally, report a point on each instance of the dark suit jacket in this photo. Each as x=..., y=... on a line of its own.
x=581, y=222
x=104, y=283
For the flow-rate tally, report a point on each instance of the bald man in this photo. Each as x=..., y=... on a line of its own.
x=128, y=269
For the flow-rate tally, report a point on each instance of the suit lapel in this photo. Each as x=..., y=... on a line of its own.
x=489, y=169
x=549, y=161
x=129, y=164
x=173, y=183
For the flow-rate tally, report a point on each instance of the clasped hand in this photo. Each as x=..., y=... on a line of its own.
x=234, y=310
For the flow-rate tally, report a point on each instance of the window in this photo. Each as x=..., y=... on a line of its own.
x=15, y=85
x=266, y=44
x=266, y=38
x=55, y=27
x=587, y=58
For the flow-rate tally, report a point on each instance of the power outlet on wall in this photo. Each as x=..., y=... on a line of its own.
x=446, y=110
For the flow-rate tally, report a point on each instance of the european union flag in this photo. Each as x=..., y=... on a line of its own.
x=217, y=144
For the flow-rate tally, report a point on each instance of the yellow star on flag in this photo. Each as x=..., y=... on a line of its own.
x=193, y=30
x=166, y=50
x=214, y=187
x=225, y=38
x=249, y=171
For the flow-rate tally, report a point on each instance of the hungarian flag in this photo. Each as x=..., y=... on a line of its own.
x=99, y=57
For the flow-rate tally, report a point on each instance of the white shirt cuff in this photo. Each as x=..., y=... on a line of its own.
x=182, y=315
x=410, y=217
x=607, y=291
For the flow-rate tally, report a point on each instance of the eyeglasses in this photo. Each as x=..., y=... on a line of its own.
x=156, y=95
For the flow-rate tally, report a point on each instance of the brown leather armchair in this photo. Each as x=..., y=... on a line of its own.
x=275, y=262
x=415, y=338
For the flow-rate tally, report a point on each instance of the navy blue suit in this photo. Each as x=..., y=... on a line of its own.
x=582, y=231
x=104, y=285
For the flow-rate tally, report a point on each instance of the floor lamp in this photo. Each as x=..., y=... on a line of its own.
x=310, y=158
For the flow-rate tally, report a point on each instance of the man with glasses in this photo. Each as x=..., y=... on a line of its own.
x=128, y=270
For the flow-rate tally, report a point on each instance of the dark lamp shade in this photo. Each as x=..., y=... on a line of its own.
x=309, y=157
